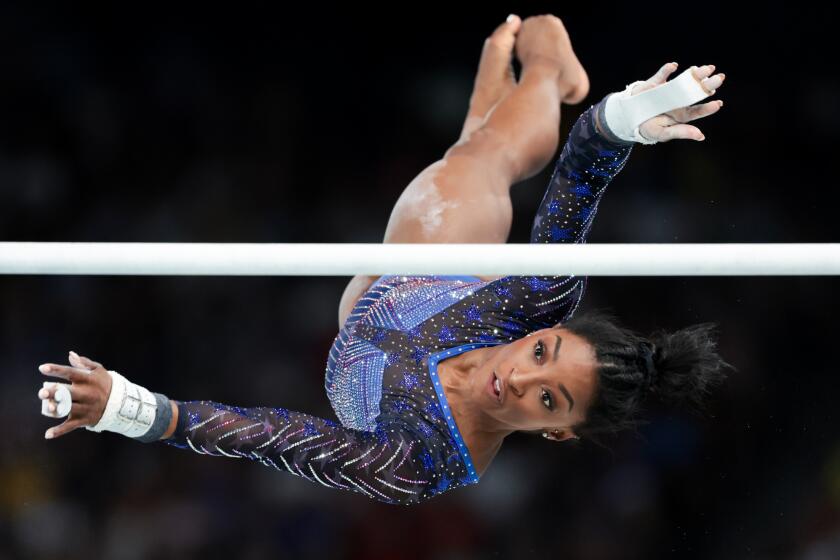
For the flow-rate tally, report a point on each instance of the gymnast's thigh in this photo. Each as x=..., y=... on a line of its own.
x=462, y=198
x=458, y=199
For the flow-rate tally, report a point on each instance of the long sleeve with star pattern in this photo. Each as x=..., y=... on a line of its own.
x=390, y=464
x=587, y=164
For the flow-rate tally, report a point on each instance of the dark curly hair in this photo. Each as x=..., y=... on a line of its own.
x=686, y=366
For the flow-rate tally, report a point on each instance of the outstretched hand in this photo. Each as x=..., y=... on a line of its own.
x=671, y=125
x=90, y=387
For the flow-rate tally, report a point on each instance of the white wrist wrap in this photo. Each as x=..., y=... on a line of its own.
x=624, y=112
x=130, y=410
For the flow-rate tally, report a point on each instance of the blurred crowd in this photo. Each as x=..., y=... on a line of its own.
x=304, y=127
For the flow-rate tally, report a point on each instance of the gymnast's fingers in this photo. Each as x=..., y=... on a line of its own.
x=48, y=391
x=709, y=82
x=688, y=114
x=712, y=83
x=74, y=375
x=50, y=394
x=82, y=394
x=662, y=74
x=681, y=132
x=659, y=78
x=76, y=361
x=703, y=72
x=44, y=395
x=68, y=426
x=87, y=362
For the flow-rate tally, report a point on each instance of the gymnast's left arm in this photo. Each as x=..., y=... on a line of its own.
x=600, y=142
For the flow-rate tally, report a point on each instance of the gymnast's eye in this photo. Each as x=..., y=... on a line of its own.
x=546, y=397
x=539, y=346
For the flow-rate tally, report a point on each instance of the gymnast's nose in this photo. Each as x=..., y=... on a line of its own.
x=519, y=382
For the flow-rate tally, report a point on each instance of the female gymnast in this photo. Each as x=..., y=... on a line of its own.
x=429, y=374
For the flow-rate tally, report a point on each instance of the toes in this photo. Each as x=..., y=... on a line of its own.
x=504, y=37
x=498, y=48
x=495, y=76
x=495, y=69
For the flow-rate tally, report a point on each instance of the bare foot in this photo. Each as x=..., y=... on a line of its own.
x=543, y=45
x=495, y=77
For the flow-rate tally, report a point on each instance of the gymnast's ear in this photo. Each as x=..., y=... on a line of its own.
x=560, y=435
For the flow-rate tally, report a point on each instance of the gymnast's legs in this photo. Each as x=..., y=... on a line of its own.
x=510, y=134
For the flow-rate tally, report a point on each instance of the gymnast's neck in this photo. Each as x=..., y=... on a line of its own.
x=482, y=434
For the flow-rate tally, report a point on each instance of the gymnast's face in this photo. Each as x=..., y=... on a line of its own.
x=547, y=379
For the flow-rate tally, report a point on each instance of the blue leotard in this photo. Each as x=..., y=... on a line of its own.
x=396, y=440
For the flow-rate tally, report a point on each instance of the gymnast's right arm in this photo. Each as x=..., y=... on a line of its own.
x=391, y=464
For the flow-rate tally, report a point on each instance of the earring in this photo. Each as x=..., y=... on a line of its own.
x=545, y=435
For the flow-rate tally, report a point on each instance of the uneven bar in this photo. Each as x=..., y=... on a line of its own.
x=485, y=259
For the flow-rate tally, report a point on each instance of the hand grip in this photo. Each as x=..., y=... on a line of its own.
x=63, y=400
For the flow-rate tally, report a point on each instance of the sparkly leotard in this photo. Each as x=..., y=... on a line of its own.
x=397, y=441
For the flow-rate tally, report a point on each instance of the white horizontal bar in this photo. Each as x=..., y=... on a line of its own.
x=348, y=259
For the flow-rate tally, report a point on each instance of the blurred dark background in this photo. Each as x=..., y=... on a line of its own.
x=303, y=123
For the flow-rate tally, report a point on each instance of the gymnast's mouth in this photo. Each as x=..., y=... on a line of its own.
x=496, y=387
